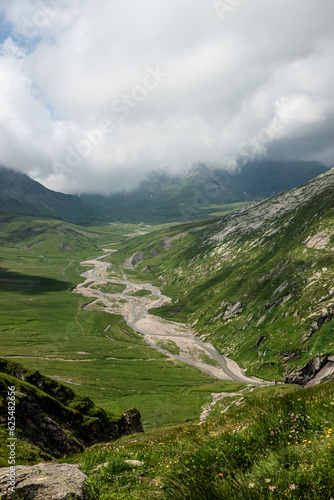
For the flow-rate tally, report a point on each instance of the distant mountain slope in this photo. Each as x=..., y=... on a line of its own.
x=201, y=193
x=20, y=195
x=257, y=283
x=202, y=190
x=267, y=177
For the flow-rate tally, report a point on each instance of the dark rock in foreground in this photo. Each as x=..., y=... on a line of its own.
x=130, y=422
x=56, y=419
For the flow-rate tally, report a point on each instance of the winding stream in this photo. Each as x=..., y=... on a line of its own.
x=159, y=333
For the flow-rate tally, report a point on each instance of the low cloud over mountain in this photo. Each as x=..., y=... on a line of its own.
x=94, y=95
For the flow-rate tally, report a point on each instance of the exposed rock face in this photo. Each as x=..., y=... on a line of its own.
x=55, y=418
x=326, y=371
x=135, y=259
x=326, y=315
x=318, y=241
x=167, y=242
x=260, y=340
x=130, y=422
x=43, y=482
x=229, y=311
x=233, y=310
x=254, y=217
x=313, y=372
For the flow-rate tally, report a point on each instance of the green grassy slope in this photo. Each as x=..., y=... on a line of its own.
x=257, y=283
x=275, y=442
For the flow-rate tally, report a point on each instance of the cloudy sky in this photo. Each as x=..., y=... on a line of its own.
x=94, y=94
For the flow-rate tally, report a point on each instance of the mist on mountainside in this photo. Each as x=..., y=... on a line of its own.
x=203, y=189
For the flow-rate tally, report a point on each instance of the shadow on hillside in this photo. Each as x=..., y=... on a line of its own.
x=26, y=284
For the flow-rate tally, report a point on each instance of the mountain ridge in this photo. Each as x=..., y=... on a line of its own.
x=21, y=195
x=203, y=192
x=278, y=205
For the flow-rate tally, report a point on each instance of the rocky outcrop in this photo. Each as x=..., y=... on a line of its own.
x=233, y=310
x=54, y=418
x=167, y=242
x=316, y=370
x=43, y=481
x=319, y=241
x=326, y=315
x=130, y=422
x=256, y=216
x=229, y=311
x=260, y=340
x=326, y=372
x=135, y=259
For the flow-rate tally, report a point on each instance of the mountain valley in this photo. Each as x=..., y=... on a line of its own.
x=124, y=314
x=258, y=283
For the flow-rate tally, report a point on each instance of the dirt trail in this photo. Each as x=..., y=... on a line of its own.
x=157, y=332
